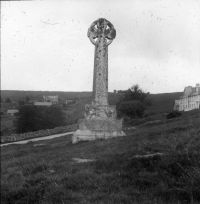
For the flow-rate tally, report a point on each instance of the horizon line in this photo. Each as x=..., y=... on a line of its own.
x=81, y=91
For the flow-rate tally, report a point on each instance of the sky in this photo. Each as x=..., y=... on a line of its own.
x=44, y=44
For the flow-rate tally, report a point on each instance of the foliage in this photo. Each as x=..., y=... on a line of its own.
x=131, y=109
x=173, y=114
x=8, y=100
x=21, y=103
x=32, y=118
x=27, y=99
x=136, y=93
x=133, y=103
x=7, y=125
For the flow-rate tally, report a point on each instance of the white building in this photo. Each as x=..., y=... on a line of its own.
x=12, y=112
x=69, y=101
x=52, y=99
x=42, y=103
x=190, y=99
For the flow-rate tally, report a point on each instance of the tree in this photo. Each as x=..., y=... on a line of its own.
x=136, y=93
x=133, y=102
x=8, y=100
x=21, y=102
x=32, y=118
x=132, y=109
x=27, y=99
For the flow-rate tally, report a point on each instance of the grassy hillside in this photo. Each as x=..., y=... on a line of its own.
x=162, y=103
x=48, y=172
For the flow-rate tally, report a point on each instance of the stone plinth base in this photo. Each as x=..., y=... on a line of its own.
x=87, y=135
x=92, y=129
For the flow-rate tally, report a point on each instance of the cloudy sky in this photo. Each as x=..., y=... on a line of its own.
x=44, y=44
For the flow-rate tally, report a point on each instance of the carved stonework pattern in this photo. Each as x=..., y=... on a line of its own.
x=101, y=33
x=101, y=28
x=93, y=112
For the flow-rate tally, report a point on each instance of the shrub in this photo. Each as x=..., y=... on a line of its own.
x=173, y=114
x=33, y=118
x=131, y=109
x=133, y=103
x=136, y=93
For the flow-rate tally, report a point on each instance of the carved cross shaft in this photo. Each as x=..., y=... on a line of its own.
x=101, y=33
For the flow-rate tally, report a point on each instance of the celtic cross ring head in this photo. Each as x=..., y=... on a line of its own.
x=101, y=28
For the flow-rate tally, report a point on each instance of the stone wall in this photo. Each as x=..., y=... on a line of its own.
x=39, y=133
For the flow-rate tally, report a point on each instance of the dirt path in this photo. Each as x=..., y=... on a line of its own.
x=38, y=139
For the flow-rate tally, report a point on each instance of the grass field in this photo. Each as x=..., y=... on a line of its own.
x=48, y=171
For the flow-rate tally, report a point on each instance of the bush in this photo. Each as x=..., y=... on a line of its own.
x=131, y=109
x=33, y=118
x=136, y=93
x=133, y=103
x=173, y=114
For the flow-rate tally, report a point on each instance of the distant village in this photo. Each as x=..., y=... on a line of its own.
x=12, y=108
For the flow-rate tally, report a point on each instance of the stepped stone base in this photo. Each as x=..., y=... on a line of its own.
x=92, y=129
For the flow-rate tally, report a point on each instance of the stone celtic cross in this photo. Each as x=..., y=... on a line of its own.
x=100, y=121
x=101, y=33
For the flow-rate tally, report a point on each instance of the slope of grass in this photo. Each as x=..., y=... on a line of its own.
x=45, y=172
x=162, y=103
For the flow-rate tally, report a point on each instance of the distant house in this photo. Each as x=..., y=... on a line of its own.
x=190, y=99
x=69, y=101
x=42, y=103
x=52, y=99
x=12, y=112
x=47, y=101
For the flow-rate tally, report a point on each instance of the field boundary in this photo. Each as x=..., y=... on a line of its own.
x=38, y=139
x=37, y=134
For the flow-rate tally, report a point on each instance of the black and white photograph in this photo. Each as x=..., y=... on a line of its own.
x=100, y=102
